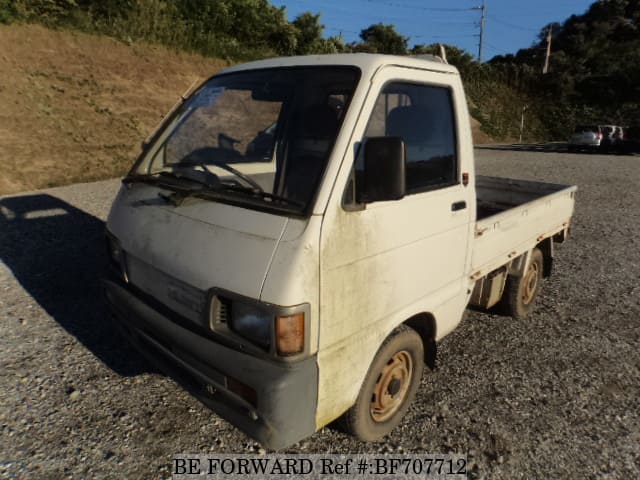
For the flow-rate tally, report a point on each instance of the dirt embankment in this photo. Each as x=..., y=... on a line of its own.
x=75, y=106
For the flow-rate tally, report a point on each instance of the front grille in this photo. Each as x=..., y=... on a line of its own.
x=186, y=300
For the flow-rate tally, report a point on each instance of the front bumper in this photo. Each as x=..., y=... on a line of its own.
x=284, y=406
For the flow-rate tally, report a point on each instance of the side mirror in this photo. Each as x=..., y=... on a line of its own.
x=383, y=177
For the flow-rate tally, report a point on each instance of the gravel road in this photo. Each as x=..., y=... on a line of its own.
x=555, y=396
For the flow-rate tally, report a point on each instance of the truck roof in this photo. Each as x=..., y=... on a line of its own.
x=368, y=63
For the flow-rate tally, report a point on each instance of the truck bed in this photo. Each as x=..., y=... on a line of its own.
x=513, y=216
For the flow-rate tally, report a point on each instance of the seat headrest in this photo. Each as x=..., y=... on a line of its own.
x=412, y=123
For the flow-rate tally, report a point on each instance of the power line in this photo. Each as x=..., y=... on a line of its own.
x=345, y=30
x=453, y=35
x=449, y=35
x=412, y=7
x=511, y=25
x=416, y=7
x=496, y=49
x=430, y=22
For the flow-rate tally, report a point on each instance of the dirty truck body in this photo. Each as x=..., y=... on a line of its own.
x=299, y=233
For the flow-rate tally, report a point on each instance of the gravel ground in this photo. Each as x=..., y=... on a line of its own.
x=555, y=396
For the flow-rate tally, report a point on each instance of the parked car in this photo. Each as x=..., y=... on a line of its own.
x=595, y=137
x=585, y=137
x=612, y=136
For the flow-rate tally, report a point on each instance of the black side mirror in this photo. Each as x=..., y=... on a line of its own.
x=383, y=177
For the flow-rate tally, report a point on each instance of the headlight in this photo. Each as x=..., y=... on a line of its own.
x=251, y=323
x=278, y=330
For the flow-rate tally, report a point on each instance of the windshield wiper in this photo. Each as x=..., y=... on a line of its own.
x=180, y=190
x=189, y=178
x=157, y=177
x=261, y=193
x=204, y=189
x=255, y=186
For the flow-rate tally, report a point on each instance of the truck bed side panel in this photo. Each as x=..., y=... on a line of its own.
x=524, y=213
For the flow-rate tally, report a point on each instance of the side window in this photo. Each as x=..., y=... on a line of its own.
x=422, y=115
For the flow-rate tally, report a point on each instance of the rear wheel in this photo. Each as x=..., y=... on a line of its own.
x=520, y=293
x=389, y=387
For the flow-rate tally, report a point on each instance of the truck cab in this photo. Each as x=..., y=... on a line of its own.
x=299, y=233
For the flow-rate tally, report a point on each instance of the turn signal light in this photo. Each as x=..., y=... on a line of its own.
x=290, y=334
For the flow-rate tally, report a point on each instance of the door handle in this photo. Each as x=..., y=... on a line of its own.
x=461, y=205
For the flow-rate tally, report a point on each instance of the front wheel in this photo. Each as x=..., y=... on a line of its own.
x=520, y=293
x=389, y=387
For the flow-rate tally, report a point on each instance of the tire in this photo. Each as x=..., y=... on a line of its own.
x=389, y=386
x=520, y=293
x=572, y=149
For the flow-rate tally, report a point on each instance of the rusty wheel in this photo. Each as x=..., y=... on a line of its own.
x=520, y=293
x=392, y=386
x=530, y=283
x=389, y=386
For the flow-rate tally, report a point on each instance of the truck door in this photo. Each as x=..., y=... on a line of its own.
x=384, y=260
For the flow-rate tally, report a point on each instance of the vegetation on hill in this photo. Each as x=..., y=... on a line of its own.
x=237, y=30
x=594, y=72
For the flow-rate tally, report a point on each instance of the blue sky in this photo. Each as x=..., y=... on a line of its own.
x=510, y=24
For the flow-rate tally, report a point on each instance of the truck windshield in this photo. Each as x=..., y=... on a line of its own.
x=258, y=138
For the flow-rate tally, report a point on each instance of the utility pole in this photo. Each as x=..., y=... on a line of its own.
x=482, y=22
x=545, y=69
x=524, y=108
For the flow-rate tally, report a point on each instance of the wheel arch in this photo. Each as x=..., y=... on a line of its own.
x=425, y=325
x=546, y=247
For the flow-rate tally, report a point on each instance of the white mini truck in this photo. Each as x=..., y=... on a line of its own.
x=299, y=232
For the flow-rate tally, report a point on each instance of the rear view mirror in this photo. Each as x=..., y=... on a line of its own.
x=383, y=177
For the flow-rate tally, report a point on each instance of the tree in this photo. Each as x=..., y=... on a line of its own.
x=47, y=11
x=107, y=9
x=380, y=38
x=308, y=33
x=455, y=56
x=7, y=11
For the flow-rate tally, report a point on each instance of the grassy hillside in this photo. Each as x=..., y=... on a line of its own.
x=76, y=106
x=498, y=108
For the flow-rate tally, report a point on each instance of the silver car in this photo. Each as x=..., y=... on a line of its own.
x=586, y=137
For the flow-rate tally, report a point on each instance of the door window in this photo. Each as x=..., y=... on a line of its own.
x=422, y=115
